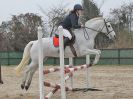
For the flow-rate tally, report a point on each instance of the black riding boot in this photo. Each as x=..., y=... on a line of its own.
x=66, y=41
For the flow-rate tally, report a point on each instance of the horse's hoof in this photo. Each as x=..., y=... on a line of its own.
x=26, y=88
x=22, y=86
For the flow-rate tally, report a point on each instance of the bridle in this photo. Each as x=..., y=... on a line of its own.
x=99, y=31
x=108, y=32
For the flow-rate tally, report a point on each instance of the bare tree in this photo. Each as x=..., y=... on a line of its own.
x=20, y=30
x=55, y=16
x=130, y=14
x=4, y=36
x=2, y=42
x=123, y=16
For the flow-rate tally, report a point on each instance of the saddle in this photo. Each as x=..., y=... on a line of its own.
x=70, y=43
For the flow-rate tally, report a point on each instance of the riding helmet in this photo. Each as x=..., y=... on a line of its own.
x=78, y=7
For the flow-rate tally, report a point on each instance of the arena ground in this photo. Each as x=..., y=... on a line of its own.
x=112, y=82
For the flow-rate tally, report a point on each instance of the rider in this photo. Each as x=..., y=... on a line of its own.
x=71, y=22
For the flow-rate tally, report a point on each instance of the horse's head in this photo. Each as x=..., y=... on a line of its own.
x=100, y=25
x=108, y=30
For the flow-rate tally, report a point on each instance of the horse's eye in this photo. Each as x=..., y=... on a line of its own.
x=109, y=26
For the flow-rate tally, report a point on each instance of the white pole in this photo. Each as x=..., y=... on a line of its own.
x=62, y=74
x=41, y=86
x=87, y=71
x=71, y=64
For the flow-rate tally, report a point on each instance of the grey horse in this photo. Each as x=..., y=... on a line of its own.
x=84, y=45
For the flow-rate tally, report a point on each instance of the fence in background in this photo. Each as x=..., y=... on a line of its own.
x=108, y=57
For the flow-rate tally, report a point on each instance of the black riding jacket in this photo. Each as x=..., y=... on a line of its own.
x=71, y=21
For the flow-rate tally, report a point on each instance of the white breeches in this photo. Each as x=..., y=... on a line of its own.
x=66, y=33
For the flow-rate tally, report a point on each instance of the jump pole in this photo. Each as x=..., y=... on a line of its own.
x=40, y=49
x=62, y=73
x=71, y=65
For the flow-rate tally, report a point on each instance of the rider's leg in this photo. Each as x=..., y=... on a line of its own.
x=67, y=37
x=66, y=41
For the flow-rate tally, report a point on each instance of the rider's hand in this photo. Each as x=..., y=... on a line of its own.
x=82, y=26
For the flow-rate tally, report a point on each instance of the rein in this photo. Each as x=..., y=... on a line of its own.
x=86, y=33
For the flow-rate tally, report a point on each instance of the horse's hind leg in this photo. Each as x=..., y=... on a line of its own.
x=33, y=68
x=24, y=78
x=30, y=76
x=27, y=71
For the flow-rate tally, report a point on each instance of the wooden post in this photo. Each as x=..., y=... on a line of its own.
x=1, y=82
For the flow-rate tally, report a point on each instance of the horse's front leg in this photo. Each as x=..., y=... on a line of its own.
x=97, y=56
x=95, y=52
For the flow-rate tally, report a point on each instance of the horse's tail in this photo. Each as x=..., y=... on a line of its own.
x=25, y=59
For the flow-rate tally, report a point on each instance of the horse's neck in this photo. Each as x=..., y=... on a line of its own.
x=87, y=37
x=94, y=24
x=85, y=40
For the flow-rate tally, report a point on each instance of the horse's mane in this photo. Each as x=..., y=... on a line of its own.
x=93, y=19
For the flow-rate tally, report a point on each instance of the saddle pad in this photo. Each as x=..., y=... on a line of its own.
x=56, y=41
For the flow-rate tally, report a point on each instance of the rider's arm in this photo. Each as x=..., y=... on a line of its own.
x=74, y=22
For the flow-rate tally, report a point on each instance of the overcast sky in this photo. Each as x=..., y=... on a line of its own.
x=15, y=7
